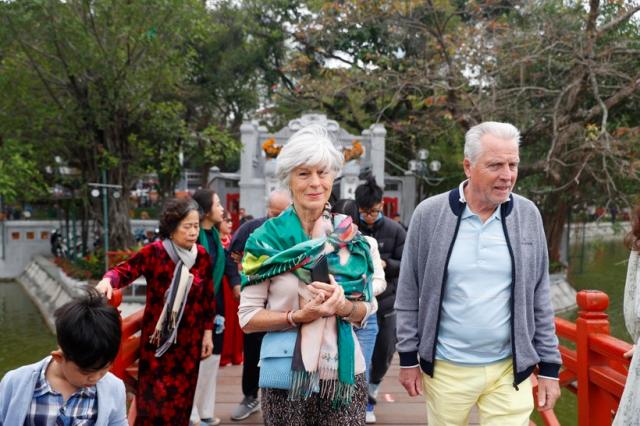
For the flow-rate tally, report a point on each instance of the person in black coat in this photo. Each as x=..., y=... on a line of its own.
x=277, y=202
x=390, y=236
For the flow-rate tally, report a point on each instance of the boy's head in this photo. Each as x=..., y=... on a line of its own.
x=88, y=333
x=369, y=200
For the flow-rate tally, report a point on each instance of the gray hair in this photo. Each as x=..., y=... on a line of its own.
x=310, y=146
x=472, y=145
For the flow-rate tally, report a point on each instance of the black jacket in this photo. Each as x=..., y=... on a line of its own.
x=390, y=236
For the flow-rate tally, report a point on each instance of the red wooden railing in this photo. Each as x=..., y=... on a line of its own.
x=125, y=364
x=595, y=369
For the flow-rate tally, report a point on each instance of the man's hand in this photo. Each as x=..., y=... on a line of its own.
x=548, y=393
x=237, y=257
x=411, y=380
x=236, y=292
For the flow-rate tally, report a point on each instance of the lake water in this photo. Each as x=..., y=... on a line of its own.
x=24, y=335
x=600, y=266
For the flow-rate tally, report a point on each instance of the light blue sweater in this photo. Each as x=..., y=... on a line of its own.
x=16, y=393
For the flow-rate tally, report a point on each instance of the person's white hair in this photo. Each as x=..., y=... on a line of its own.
x=472, y=144
x=309, y=146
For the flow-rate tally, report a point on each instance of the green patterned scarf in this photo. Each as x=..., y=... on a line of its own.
x=281, y=245
x=218, y=268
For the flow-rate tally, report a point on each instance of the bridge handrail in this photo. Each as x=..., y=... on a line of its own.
x=129, y=351
x=566, y=329
x=595, y=370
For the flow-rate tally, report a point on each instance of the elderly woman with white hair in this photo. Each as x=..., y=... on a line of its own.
x=307, y=278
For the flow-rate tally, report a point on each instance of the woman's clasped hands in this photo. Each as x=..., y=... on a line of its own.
x=327, y=300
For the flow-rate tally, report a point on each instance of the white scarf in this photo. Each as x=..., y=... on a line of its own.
x=632, y=297
x=166, y=330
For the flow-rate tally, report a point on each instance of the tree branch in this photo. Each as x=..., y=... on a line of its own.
x=614, y=99
x=617, y=21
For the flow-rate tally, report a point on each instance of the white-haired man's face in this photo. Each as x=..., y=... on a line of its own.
x=311, y=187
x=493, y=175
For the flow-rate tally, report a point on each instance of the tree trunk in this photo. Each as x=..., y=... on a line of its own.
x=554, y=219
x=119, y=222
x=84, y=225
x=116, y=138
x=204, y=175
x=166, y=186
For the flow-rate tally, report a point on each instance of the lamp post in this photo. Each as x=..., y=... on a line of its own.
x=104, y=188
x=427, y=172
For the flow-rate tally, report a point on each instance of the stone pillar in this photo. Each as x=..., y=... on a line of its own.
x=408, y=197
x=378, y=133
x=271, y=181
x=350, y=180
x=252, y=196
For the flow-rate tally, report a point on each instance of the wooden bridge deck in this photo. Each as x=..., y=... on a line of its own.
x=395, y=407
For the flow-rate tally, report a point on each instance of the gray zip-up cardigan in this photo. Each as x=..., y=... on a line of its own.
x=423, y=276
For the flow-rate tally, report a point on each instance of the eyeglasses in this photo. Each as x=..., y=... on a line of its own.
x=229, y=220
x=370, y=212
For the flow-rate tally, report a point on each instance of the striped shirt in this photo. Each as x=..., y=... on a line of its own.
x=48, y=407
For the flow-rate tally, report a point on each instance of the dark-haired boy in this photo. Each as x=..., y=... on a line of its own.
x=73, y=385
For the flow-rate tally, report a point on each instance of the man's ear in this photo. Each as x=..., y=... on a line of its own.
x=57, y=355
x=466, y=164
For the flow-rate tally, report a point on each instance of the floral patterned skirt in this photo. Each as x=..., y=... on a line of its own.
x=277, y=410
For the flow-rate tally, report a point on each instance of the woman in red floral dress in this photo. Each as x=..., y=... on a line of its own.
x=170, y=351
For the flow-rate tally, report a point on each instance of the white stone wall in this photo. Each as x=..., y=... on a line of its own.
x=599, y=230
x=21, y=240
x=48, y=288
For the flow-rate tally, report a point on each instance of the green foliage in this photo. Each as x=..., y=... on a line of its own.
x=218, y=146
x=126, y=86
x=19, y=173
x=161, y=138
x=430, y=70
x=129, y=85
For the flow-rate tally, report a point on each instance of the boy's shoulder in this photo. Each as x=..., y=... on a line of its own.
x=111, y=379
x=109, y=383
x=26, y=371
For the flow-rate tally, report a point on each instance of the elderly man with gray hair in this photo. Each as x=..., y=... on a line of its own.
x=474, y=316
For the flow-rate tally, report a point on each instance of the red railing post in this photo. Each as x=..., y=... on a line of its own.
x=129, y=350
x=591, y=319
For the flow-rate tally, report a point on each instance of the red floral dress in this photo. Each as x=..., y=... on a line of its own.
x=166, y=385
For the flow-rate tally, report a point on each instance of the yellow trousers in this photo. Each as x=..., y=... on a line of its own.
x=455, y=389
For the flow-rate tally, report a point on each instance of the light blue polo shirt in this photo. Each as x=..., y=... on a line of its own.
x=475, y=326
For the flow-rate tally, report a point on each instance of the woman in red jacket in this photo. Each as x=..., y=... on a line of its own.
x=178, y=317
